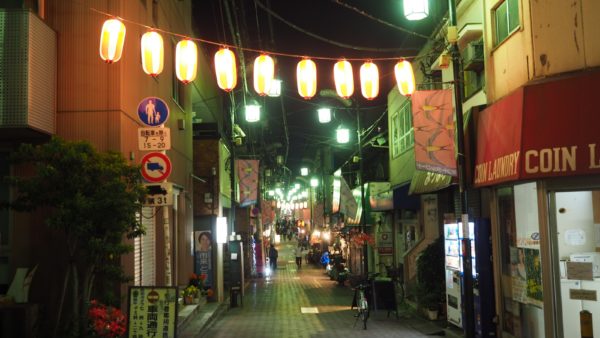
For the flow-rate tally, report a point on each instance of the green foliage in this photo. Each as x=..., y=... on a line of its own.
x=431, y=285
x=91, y=197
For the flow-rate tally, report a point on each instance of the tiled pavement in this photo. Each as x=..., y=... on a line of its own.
x=273, y=308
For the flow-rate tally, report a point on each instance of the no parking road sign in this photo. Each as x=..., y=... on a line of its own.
x=156, y=167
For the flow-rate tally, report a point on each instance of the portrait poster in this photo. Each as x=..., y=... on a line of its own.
x=203, y=256
x=518, y=276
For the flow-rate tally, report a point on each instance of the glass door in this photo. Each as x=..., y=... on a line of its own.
x=577, y=250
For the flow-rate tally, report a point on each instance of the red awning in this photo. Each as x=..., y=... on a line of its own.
x=540, y=130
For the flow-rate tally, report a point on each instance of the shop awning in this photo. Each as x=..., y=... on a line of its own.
x=545, y=129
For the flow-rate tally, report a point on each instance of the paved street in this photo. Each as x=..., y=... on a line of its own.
x=274, y=306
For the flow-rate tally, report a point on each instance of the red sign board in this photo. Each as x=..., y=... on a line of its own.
x=156, y=167
x=541, y=130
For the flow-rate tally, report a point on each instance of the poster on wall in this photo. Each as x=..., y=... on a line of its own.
x=533, y=273
x=203, y=256
x=152, y=312
x=518, y=277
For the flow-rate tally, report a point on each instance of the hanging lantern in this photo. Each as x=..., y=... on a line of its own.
x=344, y=82
x=225, y=69
x=112, y=39
x=306, y=75
x=405, y=78
x=416, y=9
x=264, y=70
x=186, y=60
x=152, y=53
x=369, y=80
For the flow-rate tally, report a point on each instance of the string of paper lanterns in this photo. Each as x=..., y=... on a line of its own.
x=112, y=39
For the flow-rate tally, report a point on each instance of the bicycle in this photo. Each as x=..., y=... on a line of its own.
x=362, y=306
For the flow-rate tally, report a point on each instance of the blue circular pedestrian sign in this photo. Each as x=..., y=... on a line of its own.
x=153, y=111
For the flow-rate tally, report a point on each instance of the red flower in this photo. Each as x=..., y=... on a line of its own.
x=106, y=321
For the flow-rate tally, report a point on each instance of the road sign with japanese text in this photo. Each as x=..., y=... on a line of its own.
x=154, y=139
x=159, y=194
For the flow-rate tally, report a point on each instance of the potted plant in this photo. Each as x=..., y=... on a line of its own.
x=431, y=286
x=189, y=293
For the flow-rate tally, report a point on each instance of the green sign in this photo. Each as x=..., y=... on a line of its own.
x=152, y=312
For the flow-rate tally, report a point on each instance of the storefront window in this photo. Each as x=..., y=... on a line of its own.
x=521, y=265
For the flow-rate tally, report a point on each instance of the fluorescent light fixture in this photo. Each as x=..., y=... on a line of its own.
x=221, y=230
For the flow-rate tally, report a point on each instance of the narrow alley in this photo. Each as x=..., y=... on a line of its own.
x=304, y=302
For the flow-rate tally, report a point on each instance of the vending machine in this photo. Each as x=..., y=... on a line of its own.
x=479, y=235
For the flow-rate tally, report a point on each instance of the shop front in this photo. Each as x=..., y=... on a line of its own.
x=538, y=151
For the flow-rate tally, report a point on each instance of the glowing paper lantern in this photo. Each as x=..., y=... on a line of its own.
x=405, y=78
x=306, y=75
x=186, y=60
x=112, y=39
x=344, y=81
x=225, y=69
x=264, y=70
x=152, y=53
x=416, y=9
x=369, y=80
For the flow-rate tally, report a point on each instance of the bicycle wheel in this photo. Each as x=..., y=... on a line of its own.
x=364, y=316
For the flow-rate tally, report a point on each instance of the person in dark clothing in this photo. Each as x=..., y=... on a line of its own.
x=273, y=254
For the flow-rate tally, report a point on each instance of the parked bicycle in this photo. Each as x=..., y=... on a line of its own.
x=362, y=294
x=362, y=306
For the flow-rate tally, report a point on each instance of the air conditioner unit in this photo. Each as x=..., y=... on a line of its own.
x=473, y=56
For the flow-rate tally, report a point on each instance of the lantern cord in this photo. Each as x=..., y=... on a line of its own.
x=258, y=51
x=335, y=43
x=402, y=29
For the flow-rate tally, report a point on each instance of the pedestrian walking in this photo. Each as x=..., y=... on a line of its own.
x=299, y=251
x=273, y=254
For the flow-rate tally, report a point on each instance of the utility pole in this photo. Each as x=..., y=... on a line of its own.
x=363, y=214
x=468, y=300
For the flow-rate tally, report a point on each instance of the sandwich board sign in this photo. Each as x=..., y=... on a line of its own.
x=156, y=167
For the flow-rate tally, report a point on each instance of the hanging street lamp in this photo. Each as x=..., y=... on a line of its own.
x=416, y=9
x=112, y=39
x=342, y=135
x=252, y=113
x=324, y=115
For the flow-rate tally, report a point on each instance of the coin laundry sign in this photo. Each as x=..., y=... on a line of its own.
x=156, y=167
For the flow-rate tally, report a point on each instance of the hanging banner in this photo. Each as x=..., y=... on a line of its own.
x=266, y=211
x=433, y=123
x=248, y=181
x=348, y=204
